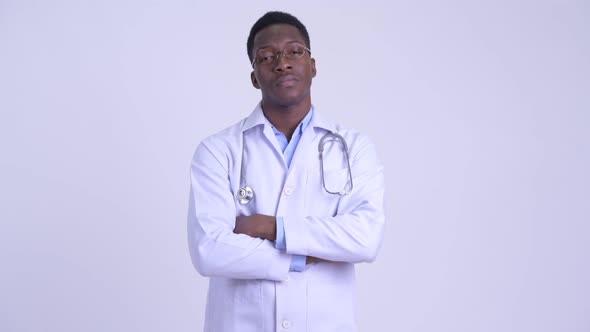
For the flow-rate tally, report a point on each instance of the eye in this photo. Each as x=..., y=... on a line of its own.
x=266, y=59
x=295, y=51
x=265, y=56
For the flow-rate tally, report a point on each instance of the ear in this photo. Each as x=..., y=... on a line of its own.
x=313, y=70
x=254, y=81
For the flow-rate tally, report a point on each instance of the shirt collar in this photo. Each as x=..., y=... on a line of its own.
x=316, y=120
x=300, y=127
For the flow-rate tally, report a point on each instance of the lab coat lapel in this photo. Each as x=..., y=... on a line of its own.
x=307, y=147
x=272, y=140
x=257, y=118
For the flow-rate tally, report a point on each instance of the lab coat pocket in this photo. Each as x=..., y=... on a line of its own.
x=330, y=308
x=336, y=180
x=246, y=291
x=242, y=306
x=319, y=200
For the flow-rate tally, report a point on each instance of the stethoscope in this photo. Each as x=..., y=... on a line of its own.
x=245, y=194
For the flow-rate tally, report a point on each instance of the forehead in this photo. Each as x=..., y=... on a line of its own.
x=277, y=35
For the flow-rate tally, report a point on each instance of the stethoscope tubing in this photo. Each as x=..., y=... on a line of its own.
x=339, y=137
x=245, y=194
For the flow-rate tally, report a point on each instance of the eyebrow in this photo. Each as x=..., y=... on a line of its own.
x=269, y=45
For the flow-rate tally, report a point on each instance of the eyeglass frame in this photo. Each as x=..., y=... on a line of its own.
x=281, y=53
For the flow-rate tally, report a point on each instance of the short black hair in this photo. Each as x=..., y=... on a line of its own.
x=275, y=17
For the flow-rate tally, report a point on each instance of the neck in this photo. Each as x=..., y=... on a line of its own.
x=286, y=118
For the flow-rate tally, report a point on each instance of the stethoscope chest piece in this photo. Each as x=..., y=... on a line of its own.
x=245, y=195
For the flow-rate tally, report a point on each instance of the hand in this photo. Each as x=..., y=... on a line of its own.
x=312, y=260
x=258, y=226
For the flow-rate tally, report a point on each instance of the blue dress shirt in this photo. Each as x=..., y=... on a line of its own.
x=288, y=148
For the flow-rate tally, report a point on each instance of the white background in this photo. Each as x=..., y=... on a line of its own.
x=479, y=109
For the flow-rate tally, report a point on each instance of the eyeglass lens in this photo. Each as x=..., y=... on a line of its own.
x=269, y=55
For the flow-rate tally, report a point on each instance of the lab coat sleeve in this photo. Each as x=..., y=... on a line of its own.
x=355, y=233
x=214, y=248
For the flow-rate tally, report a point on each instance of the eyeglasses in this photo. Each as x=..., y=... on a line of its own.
x=268, y=56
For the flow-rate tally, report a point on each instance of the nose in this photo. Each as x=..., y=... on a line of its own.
x=281, y=64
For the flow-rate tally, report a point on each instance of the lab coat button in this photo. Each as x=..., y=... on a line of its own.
x=288, y=191
x=286, y=324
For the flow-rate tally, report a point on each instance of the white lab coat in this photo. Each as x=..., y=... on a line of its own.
x=250, y=286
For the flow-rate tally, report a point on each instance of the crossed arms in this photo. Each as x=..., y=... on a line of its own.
x=222, y=245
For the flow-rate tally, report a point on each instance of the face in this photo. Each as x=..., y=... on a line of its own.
x=285, y=82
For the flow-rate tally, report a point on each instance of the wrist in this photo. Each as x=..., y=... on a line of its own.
x=271, y=229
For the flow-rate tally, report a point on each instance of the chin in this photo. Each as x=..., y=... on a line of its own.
x=288, y=100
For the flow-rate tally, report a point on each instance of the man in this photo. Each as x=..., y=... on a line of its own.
x=276, y=228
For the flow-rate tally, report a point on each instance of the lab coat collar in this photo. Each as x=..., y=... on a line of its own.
x=257, y=118
x=254, y=119
x=318, y=121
